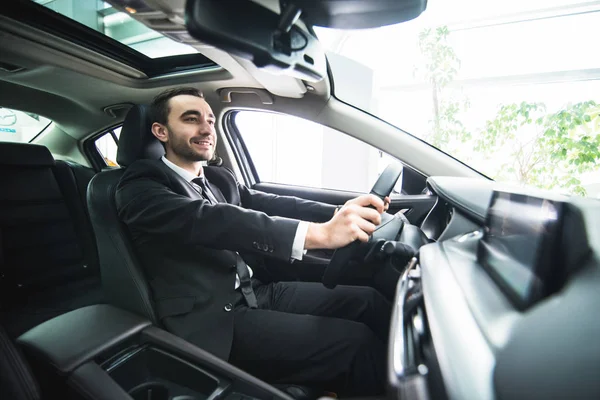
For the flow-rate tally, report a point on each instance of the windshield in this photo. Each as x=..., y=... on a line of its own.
x=509, y=88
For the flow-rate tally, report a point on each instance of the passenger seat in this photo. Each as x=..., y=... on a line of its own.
x=48, y=256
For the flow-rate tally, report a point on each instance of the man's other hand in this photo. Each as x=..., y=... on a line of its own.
x=354, y=221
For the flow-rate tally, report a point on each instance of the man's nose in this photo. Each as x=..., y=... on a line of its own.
x=205, y=128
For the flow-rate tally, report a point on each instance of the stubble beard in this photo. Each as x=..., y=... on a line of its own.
x=185, y=151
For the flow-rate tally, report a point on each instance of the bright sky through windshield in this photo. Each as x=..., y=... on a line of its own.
x=447, y=88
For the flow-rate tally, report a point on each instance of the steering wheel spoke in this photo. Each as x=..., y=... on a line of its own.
x=388, y=229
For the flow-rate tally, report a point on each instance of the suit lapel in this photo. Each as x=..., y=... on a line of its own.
x=217, y=192
x=219, y=184
x=184, y=187
x=180, y=185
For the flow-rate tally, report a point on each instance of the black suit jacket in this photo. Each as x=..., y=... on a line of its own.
x=187, y=245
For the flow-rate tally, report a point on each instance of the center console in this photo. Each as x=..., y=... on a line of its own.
x=413, y=370
x=501, y=307
x=101, y=352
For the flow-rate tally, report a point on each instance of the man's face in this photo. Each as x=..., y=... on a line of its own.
x=191, y=129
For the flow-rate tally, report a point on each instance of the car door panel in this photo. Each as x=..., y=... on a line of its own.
x=415, y=207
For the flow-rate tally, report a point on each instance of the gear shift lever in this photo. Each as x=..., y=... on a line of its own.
x=390, y=249
x=398, y=249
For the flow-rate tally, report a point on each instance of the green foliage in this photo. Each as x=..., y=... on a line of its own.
x=441, y=62
x=546, y=150
x=441, y=67
x=449, y=130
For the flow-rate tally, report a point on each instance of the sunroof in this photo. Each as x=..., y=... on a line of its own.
x=98, y=27
x=103, y=18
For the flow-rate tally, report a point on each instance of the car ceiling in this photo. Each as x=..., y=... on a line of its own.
x=72, y=85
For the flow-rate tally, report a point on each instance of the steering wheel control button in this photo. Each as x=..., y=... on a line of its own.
x=228, y=307
x=388, y=248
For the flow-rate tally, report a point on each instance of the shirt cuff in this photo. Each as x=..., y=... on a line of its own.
x=299, y=239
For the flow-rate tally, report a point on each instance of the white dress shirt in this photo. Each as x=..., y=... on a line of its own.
x=299, y=239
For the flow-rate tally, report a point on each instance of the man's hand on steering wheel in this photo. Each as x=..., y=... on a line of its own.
x=382, y=189
x=359, y=201
x=356, y=220
x=386, y=203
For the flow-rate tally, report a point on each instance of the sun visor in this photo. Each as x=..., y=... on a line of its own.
x=359, y=14
x=272, y=41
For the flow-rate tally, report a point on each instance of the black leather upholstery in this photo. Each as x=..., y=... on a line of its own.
x=123, y=277
x=64, y=353
x=40, y=245
x=136, y=140
x=25, y=155
x=48, y=258
x=91, y=382
x=16, y=379
x=74, y=179
x=74, y=338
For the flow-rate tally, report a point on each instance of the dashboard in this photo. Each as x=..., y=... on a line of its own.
x=501, y=304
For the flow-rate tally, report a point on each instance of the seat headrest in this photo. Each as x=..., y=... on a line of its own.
x=25, y=154
x=136, y=140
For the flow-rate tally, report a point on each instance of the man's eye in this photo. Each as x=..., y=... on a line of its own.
x=192, y=119
x=211, y=122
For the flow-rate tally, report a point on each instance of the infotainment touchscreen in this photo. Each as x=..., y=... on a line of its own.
x=519, y=247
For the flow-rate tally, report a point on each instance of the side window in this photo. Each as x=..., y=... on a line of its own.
x=293, y=151
x=20, y=126
x=107, y=146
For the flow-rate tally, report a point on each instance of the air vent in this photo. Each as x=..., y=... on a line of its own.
x=6, y=67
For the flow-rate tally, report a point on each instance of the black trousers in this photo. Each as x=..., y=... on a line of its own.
x=304, y=333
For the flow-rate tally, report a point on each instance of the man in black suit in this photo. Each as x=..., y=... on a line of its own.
x=190, y=224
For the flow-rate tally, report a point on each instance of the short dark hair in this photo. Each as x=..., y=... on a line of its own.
x=159, y=109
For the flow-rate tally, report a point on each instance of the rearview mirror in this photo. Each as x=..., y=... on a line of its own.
x=247, y=29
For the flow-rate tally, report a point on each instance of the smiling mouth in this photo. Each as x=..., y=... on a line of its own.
x=202, y=142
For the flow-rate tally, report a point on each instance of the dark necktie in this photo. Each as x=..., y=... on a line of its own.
x=206, y=192
x=240, y=265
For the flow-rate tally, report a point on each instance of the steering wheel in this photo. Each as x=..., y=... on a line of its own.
x=390, y=226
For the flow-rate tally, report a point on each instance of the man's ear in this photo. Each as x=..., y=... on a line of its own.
x=160, y=131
